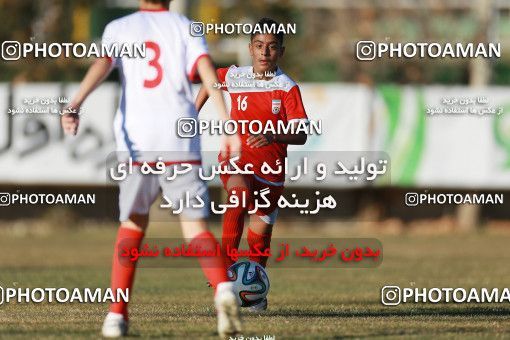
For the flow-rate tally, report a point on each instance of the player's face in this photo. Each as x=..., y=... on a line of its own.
x=265, y=52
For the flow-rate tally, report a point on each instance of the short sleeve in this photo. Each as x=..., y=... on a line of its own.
x=293, y=103
x=196, y=48
x=109, y=39
x=222, y=75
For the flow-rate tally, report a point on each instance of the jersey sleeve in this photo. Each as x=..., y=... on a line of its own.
x=109, y=39
x=222, y=75
x=196, y=48
x=294, y=107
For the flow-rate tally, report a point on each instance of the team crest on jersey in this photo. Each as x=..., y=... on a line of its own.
x=275, y=106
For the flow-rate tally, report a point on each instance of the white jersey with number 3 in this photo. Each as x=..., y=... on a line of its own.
x=156, y=90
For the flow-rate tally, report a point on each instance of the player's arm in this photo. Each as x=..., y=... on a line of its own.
x=97, y=72
x=210, y=88
x=202, y=95
x=201, y=99
x=207, y=72
x=260, y=140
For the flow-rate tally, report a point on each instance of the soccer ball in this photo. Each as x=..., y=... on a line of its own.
x=251, y=283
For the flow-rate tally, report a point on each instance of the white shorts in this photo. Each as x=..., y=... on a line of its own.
x=138, y=192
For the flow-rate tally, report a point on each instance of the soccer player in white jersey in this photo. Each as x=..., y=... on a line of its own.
x=156, y=92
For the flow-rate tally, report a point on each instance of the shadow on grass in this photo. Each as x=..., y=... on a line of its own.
x=391, y=311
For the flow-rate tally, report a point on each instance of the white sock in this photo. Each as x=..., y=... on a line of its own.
x=225, y=286
x=114, y=316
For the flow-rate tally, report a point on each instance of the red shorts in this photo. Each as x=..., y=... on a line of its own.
x=267, y=214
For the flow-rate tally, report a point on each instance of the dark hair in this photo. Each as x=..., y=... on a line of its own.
x=268, y=22
x=163, y=2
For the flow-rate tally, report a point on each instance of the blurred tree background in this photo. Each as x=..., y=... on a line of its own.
x=321, y=51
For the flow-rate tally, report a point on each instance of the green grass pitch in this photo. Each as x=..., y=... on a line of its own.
x=303, y=303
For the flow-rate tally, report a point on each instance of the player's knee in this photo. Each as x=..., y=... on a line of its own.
x=261, y=224
x=265, y=219
x=193, y=227
x=136, y=222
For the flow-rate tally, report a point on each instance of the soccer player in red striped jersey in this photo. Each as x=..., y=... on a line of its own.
x=260, y=92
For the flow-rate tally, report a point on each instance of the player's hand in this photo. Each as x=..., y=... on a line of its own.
x=257, y=141
x=230, y=146
x=70, y=120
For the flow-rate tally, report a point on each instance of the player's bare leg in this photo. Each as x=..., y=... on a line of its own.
x=229, y=322
x=130, y=234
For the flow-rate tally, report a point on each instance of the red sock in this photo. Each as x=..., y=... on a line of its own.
x=262, y=241
x=233, y=223
x=212, y=266
x=123, y=269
